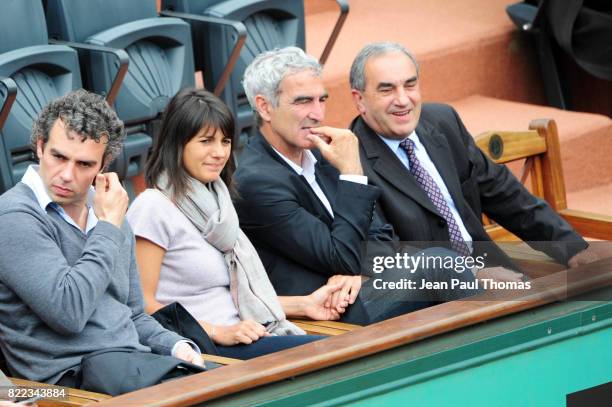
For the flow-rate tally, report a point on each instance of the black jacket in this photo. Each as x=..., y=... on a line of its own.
x=476, y=184
x=299, y=243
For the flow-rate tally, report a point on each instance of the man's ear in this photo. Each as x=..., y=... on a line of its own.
x=40, y=146
x=263, y=107
x=358, y=100
x=107, y=159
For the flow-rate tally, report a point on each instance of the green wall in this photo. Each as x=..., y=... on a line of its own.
x=538, y=377
x=533, y=358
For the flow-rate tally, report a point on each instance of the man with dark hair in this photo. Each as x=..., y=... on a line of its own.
x=435, y=183
x=69, y=285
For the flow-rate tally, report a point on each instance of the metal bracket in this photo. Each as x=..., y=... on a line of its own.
x=11, y=94
x=344, y=9
x=121, y=55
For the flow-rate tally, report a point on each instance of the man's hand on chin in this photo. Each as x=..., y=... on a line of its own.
x=338, y=146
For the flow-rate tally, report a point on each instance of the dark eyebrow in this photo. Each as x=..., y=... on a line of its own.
x=92, y=163
x=59, y=154
x=392, y=85
x=302, y=99
x=384, y=85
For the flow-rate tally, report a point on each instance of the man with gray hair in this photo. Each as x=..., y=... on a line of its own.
x=69, y=285
x=302, y=197
x=435, y=183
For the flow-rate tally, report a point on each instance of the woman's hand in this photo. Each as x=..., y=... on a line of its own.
x=246, y=332
x=318, y=305
x=349, y=288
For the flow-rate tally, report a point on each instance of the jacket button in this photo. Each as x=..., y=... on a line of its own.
x=442, y=223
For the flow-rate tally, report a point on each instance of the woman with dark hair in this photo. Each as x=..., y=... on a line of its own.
x=189, y=246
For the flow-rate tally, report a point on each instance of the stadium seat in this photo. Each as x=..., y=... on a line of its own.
x=8, y=93
x=161, y=62
x=42, y=72
x=269, y=24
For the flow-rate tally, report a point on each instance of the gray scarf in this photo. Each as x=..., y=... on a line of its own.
x=209, y=207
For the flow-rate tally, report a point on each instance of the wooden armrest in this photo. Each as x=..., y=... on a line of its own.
x=536, y=264
x=589, y=224
x=330, y=328
x=76, y=397
x=498, y=233
x=219, y=359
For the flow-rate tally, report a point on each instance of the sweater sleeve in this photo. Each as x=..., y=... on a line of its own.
x=33, y=266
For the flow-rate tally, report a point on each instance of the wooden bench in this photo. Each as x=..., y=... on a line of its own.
x=330, y=328
x=542, y=171
x=77, y=397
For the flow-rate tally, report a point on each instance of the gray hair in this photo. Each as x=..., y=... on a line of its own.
x=265, y=73
x=86, y=114
x=357, y=76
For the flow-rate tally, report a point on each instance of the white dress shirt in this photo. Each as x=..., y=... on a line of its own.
x=32, y=179
x=307, y=170
x=425, y=160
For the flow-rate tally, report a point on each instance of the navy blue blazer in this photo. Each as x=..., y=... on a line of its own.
x=298, y=241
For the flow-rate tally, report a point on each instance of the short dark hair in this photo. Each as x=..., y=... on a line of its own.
x=357, y=73
x=187, y=113
x=86, y=114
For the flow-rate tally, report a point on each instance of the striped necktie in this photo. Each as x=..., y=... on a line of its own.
x=432, y=190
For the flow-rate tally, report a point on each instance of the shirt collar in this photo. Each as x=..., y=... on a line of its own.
x=394, y=144
x=308, y=163
x=33, y=180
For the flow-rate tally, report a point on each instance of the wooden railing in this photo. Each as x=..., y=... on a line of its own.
x=368, y=340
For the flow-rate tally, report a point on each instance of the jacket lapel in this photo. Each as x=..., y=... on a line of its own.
x=327, y=178
x=259, y=143
x=386, y=164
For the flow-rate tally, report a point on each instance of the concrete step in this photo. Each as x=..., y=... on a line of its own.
x=464, y=48
x=586, y=138
x=597, y=200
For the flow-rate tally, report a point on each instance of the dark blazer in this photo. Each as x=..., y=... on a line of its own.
x=476, y=184
x=581, y=28
x=298, y=241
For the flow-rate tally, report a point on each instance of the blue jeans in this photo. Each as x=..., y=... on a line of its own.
x=265, y=345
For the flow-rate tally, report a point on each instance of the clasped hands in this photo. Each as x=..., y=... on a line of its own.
x=330, y=301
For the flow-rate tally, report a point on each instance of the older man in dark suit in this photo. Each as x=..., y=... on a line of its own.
x=303, y=199
x=435, y=183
